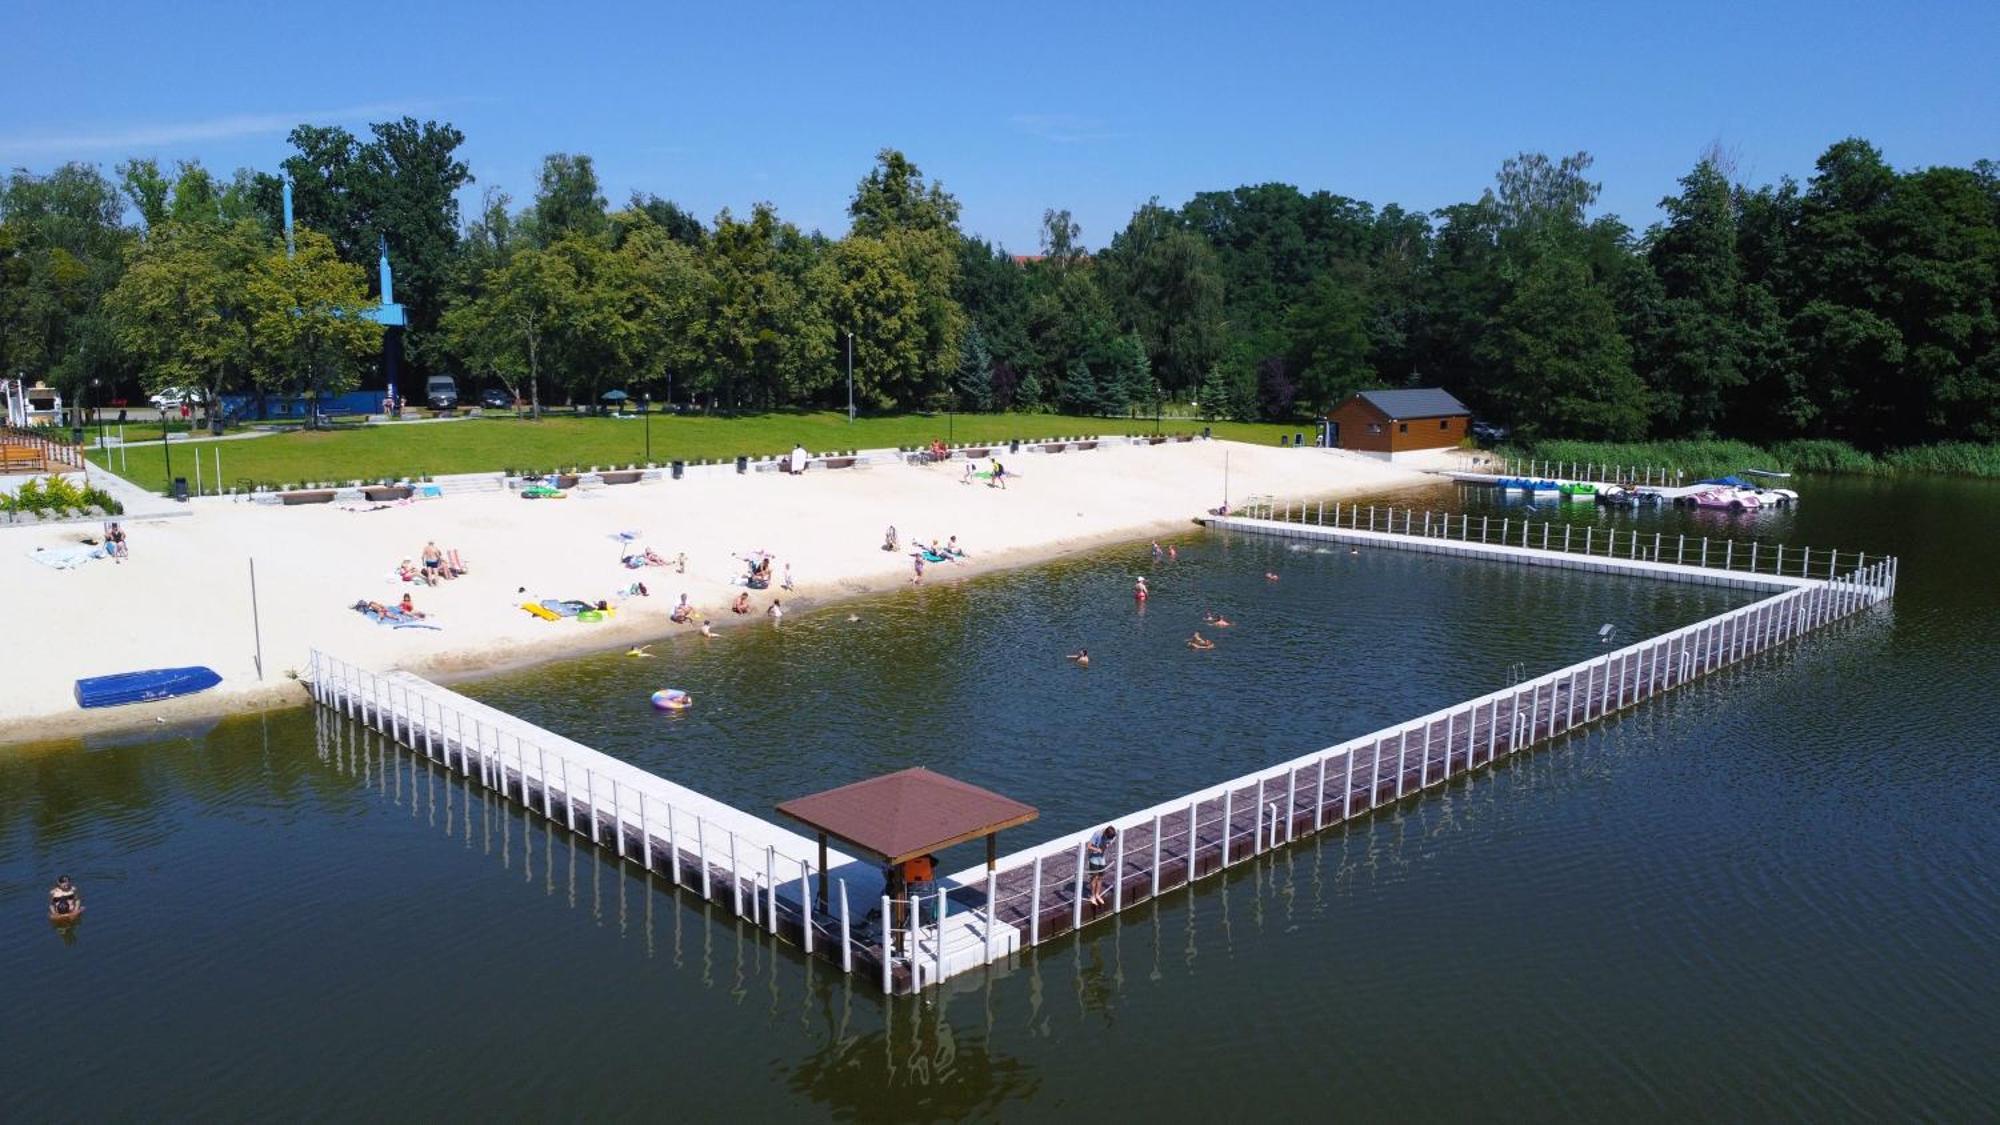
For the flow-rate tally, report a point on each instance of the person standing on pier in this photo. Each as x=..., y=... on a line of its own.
x=1096, y=858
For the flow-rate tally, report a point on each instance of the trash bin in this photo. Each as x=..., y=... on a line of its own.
x=1014, y=446
x=1299, y=440
x=1207, y=432
x=679, y=467
x=1283, y=441
x=180, y=488
x=742, y=463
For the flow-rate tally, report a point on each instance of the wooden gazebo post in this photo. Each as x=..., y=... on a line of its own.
x=822, y=870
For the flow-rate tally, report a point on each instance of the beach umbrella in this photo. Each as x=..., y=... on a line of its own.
x=615, y=396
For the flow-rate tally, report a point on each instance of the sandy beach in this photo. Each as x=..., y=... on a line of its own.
x=183, y=595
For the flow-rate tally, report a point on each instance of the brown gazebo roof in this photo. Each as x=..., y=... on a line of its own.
x=905, y=814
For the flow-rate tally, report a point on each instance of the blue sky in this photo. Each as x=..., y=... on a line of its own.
x=1017, y=107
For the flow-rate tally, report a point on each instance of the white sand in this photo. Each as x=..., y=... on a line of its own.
x=183, y=595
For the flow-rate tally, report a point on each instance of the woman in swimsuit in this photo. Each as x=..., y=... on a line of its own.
x=1200, y=643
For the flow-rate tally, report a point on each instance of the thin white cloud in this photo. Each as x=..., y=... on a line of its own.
x=1062, y=128
x=139, y=137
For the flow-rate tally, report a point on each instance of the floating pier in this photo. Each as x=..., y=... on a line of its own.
x=979, y=916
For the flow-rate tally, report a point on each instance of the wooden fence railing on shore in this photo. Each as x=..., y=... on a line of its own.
x=32, y=451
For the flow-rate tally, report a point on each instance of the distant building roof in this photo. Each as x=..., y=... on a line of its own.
x=1416, y=402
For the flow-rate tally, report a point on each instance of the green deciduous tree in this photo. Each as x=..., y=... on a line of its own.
x=1327, y=343
x=65, y=251
x=1561, y=364
x=307, y=330
x=768, y=338
x=1164, y=283
x=182, y=310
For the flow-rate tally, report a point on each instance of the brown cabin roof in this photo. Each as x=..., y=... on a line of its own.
x=905, y=814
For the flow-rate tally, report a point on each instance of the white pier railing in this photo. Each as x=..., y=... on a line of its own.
x=1777, y=560
x=763, y=872
x=1045, y=890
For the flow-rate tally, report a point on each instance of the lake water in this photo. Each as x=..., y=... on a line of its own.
x=1771, y=893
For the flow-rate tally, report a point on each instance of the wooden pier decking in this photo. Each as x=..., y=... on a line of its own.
x=978, y=916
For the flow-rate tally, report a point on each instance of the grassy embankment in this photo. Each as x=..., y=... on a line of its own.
x=494, y=444
x=1715, y=457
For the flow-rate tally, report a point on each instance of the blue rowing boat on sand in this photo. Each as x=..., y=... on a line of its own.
x=139, y=687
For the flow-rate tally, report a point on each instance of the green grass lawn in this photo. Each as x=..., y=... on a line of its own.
x=492, y=444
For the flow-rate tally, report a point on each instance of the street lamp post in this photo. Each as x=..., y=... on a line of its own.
x=850, y=377
x=646, y=408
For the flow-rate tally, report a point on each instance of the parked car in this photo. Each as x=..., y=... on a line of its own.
x=1489, y=433
x=171, y=398
x=441, y=391
x=496, y=398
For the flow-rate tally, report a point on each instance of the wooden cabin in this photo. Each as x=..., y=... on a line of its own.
x=1387, y=423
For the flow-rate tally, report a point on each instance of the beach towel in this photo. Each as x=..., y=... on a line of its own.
x=394, y=618
x=65, y=558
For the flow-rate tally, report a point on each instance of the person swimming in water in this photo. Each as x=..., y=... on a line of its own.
x=1200, y=643
x=1215, y=619
x=1139, y=590
x=65, y=901
x=1270, y=576
x=1081, y=658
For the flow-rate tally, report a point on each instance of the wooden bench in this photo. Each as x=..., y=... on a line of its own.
x=15, y=458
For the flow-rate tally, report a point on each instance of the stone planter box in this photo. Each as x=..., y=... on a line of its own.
x=378, y=493
x=308, y=496
x=622, y=476
x=839, y=462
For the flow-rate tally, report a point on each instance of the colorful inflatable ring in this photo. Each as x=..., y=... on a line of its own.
x=672, y=699
x=590, y=615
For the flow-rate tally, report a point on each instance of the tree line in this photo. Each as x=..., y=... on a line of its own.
x=1860, y=304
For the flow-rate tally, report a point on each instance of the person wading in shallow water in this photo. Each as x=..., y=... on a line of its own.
x=64, y=899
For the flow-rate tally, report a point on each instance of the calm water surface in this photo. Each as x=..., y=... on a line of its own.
x=1770, y=894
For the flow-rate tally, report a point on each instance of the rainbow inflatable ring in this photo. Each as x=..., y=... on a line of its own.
x=672, y=699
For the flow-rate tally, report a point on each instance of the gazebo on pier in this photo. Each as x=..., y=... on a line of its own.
x=906, y=815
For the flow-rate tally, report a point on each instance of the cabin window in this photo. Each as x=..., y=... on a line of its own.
x=1402, y=427
x=1374, y=427
x=1444, y=423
